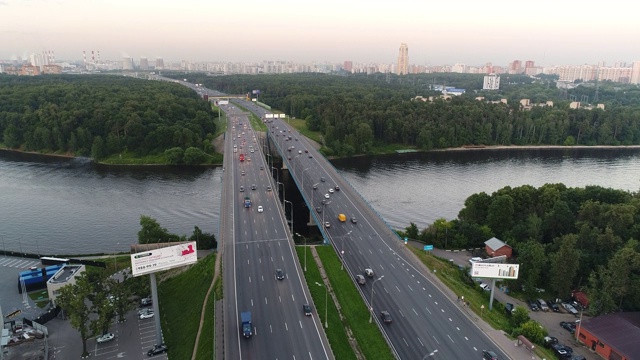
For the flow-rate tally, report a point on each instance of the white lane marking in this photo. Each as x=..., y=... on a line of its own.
x=286, y=327
x=249, y=279
x=400, y=311
x=398, y=288
x=420, y=341
x=279, y=298
x=260, y=260
x=435, y=302
x=392, y=266
x=434, y=338
x=427, y=310
x=252, y=302
x=410, y=288
x=385, y=290
x=474, y=348
x=414, y=310
x=293, y=298
x=262, y=276
x=300, y=324
x=405, y=341
x=449, y=336
x=247, y=261
x=442, y=310
x=370, y=251
x=265, y=301
x=382, y=267
x=270, y=328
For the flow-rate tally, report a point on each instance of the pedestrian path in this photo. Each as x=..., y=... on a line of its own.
x=18, y=263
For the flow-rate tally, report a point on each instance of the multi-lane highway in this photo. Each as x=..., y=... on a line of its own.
x=256, y=244
x=424, y=319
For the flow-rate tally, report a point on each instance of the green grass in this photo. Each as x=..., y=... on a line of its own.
x=256, y=122
x=181, y=298
x=206, y=346
x=157, y=159
x=335, y=333
x=40, y=298
x=220, y=122
x=356, y=313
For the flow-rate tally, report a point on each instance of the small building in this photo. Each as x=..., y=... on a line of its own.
x=65, y=276
x=496, y=247
x=612, y=336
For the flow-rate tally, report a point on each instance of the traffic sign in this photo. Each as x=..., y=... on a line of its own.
x=428, y=247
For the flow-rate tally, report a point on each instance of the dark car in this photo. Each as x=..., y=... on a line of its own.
x=489, y=355
x=322, y=179
x=337, y=188
x=315, y=186
x=354, y=220
x=319, y=209
x=386, y=317
x=554, y=306
x=550, y=340
x=570, y=327
x=306, y=309
x=158, y=349
x=280, y=274
x=532, y=305
x=146, y=302
x=562, y=351
x=509, y=308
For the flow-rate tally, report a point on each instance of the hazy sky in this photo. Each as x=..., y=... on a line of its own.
x=437, y=32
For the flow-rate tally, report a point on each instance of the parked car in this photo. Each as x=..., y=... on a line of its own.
x=532, y=305
x=386, y=317
x=553, y=306
x=485, y=287
x=570, y=327
x=145, y=315
x=146, y=302
x=563, y=352
x=157, y=349
x=550, y=340
x=543, y=305
x=474, y=259
x=570, y=309
x=489, y=355
x=509, y=308
x=306, y=309
x=105, y=338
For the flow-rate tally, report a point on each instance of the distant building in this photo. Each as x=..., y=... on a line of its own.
x=159, y=64
x=496, y=247
x=403, y=60
x=635, y=72
x=491, y=82
x=127, y=63
x=348, y=66
x=515, y=67
x=52, y=69
x=29, y=70
x=612, y=336
x=144, y=64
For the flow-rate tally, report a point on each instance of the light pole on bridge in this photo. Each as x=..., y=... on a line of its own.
x=290, y=204
x=372, y=285
x=342, y=250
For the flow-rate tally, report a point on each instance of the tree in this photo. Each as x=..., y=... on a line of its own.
x=73, y=301
x=98, y=149
x=152, y=232
x=500, y=214
x=412, y=231
x=520, y=316
x=532, y=331
x=566, y=262
x=203, y=240
x=532, y=260
x=11, y=136
x=174, y=155
x=194, y=156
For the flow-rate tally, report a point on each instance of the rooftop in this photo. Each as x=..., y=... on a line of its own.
x=495, y=243
x=65, y=274
x=621, y=331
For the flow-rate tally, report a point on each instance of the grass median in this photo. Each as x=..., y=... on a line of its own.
x=206, y=346
x=368, y=335
x=181, y=299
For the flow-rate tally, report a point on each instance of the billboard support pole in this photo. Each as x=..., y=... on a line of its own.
x=493, y=288
x=156, y=307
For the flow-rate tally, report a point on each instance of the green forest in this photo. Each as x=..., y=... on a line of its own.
x=357, y=114
x=563, y=238
x=104, y=117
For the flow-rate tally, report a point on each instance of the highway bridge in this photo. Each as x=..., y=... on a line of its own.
x=256, y=242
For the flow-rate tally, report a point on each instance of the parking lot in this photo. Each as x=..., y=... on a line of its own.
x=133, y=338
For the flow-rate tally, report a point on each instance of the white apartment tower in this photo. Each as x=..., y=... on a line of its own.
x=403, y=60
x=491, y=82
x=635, y=73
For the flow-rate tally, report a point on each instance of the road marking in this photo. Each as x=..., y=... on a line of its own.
x=270, y=328
x=435, y=302
x=382, y=267
x=247, y=261
x=266, y=301
x=451, y=339
x=293, y=298
x=428, y=310
x=392, y=266
x=409, y=287
x=252, y=302
x=434, y=338
x=398, y=288
x=458, y=328
x=420, y=341
x=260, y=260
x=466, y=338
x=286, y=327
x=279, y=298
x=474, y=348
x=262, y=276
x=414, y=310
x=400, y=311
x=405, y=341
x=249, y=279
x=300, y=324
x=442, y=310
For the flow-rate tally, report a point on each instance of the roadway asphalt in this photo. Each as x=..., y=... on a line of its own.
x=255, y=245
x=424, y=318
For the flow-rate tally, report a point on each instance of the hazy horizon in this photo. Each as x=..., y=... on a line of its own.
x=468, y=32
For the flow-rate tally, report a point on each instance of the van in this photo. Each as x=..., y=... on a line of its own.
x=342, y=217
x=543, y=305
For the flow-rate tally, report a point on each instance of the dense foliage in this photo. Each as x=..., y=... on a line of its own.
x=564, y=239
x=102, y=116
x=357, y=112
x=151, y=232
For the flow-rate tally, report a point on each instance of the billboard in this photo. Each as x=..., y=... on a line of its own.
x=268, y=116
x=255, y=92
x=494, y=271
x=282, y=116
x=223, y=102
x=147, y=262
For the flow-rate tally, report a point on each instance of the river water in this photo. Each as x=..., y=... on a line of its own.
x=70, y=206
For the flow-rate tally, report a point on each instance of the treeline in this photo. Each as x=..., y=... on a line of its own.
x=563, y=238
x=356, y=113
x=151, y=233
x=102, y=116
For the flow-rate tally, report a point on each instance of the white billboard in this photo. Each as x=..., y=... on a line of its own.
x=170, y=257
x=282, y=116
x=223, y=102
x=268, y=116
x=494, y=271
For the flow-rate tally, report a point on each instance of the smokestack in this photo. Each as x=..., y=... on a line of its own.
x=84, y=59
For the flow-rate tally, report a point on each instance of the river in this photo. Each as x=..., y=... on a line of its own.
x=71, y=206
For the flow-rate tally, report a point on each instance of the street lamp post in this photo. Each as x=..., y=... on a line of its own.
x=277, y=174
x=303, y=180
x=284, y=194
x=290, y=204
x=326, y=304
x=342, y=250
x=270, y=161
x=372, y=285
x=305, y=251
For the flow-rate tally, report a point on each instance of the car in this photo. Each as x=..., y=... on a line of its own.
x=306, y=309
x=550, y=340
x=315, y=186
x=322, y=179
x=289, y=149
x=326, y=196
x=242, y=173
x=369, y=272
x=485, y=287
x=269, y=188
x=241, y=188
x=310, y=156
x=145, y=315
x=568, y=326
x=337, y=188
x=489, y=355
x=386, y=317
x=296, y=139
x=144, y=311
x=157, y=349
x=253, y=186
x=146, y=302
x=532, y=305
x=260, y=209
x=306, y=151
x=280, y=274
x=354, y=220
x=319, y=209
x=474, y=259
x=105, y=338
x=330, y=191
x=299, y=151
x=509, y=308
x=562, y=351
x=327, y=224
x=542, y=305
x=553, y=306
x=570, y=309
x=261, y=167
x=360, y=279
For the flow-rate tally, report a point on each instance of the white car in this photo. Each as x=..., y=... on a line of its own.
x=326, y=196
x=485, y=287
x=331, y=191
x=105, y=338
x=260, y=209
x=474, y=259
x=146, y=315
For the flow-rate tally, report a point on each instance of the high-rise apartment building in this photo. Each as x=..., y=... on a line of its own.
x=159, y=64
x=635, y=72
x=348, y=66
x=491, y=82
x=127, y=63
x=515, y=67
x=144, y=64
x=403, y=60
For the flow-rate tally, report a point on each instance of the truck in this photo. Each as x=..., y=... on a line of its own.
x=241, y=157
x=247, y=202
x=247, y=326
